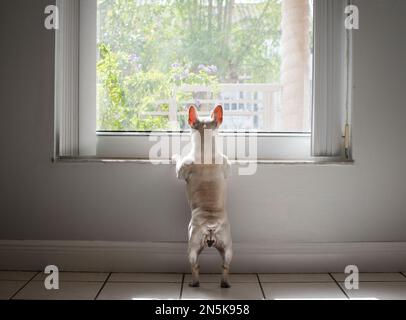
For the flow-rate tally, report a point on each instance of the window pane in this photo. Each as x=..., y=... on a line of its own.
x=158, y=57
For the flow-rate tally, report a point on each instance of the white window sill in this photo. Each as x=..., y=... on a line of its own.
x=321, y=161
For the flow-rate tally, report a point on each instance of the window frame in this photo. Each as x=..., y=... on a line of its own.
x=83, y=139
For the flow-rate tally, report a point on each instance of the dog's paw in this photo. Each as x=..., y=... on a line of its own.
x=194, y=284
x=225, y=284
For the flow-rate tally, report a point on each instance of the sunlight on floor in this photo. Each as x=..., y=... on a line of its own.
x=172, y=286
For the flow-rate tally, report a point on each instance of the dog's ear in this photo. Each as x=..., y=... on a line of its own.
x=193, y=116
x=217, y=115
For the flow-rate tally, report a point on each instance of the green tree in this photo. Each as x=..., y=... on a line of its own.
x=147, y=48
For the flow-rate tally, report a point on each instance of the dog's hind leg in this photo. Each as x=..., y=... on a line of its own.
x=226, y=253
x=195, y=248
x=194, y=252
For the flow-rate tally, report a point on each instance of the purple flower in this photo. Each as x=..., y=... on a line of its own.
x=134, y=58
x=212, y=69
x=201, y=67
x=175, y=65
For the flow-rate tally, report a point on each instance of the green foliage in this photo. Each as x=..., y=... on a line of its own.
x=147, y=49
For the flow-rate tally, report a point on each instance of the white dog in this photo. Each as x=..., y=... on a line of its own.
x=205, y=171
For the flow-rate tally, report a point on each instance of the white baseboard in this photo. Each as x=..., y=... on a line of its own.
x=172, y=257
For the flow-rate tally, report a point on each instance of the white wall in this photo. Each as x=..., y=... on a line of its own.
x=140, y=202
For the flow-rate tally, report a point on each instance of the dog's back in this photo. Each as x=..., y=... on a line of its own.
x=206, y=187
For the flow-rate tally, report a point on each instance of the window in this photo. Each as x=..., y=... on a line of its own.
x=141, y=63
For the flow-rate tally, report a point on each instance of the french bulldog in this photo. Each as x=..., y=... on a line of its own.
x=205, y=170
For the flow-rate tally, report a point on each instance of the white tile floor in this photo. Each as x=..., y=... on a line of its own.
x=111, y=286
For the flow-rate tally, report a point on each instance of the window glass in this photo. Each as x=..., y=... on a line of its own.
x=155, y=58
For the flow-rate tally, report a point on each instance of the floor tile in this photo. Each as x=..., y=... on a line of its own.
x=208, y=291
x=369, y=276
x=8, y=288
x=295, y=277
x=234, y=278
x=67, y=291
x=303, y=291
x=377, y=291
x=17, y=275
x=86, y=285
x=76, y=276
x=145, y=277
x=140, y=291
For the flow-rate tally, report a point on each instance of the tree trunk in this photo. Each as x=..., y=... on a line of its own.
x=295, y=65
x=220, y=15
x=210, y=19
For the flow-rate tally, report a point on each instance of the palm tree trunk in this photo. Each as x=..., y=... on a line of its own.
x=295, y=65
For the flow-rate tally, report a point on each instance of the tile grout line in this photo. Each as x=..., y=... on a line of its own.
x=133, y=281
x=342, y=290
x=181, y=286
x=260, y=285
x=12, y=297
x=102, y=287
x=299, y=281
